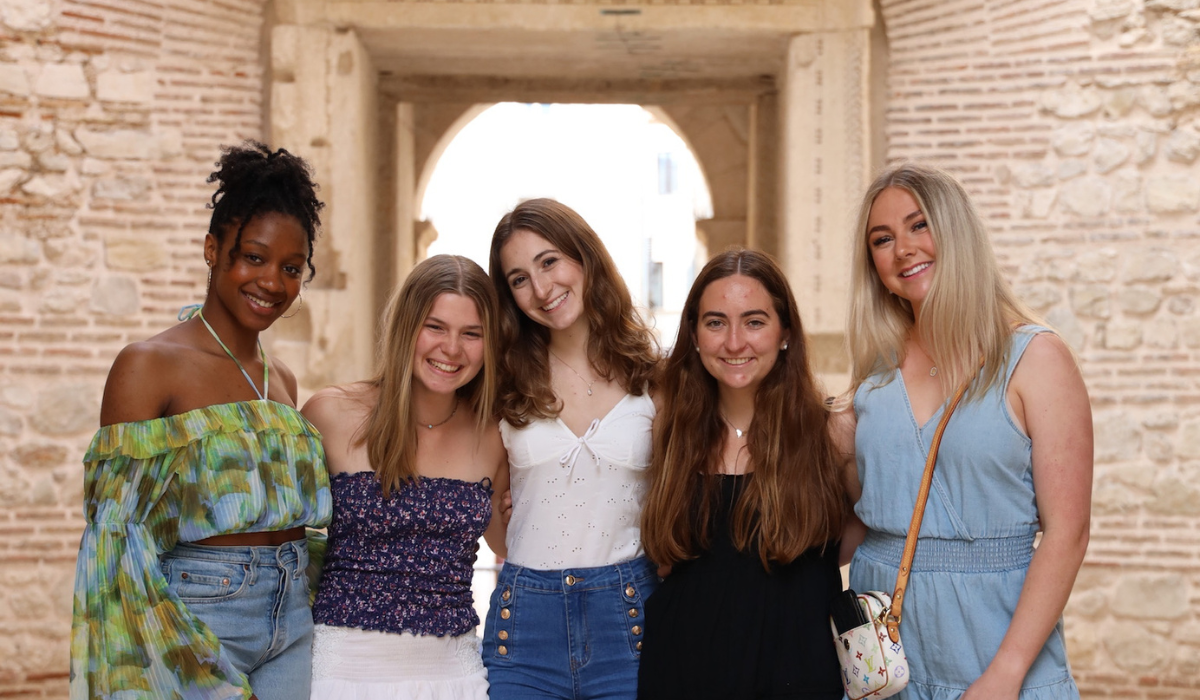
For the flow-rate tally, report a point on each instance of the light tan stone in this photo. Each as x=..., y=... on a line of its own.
x=123, y=251
x=1181, y=304
x=1086, y=196
x=115, y=296
x=1096, y=266
x=1138, y=299
x=1174, y=496
x=1071, y=101
x=51, y=186
x=1127, y=192
x=1131, y=647
x=66, y=143
x=1189, y=332
x=67, y=409
x=17, y=396
x=1183, y=94
x=121, y=188
x=1167, y=194
x=15, y=159
x=9, y=140
x=18, y=249
x=65, y=80
x=10, y=178
x=59, y=301
x=1146, y=143
x=1189, y=439
x=1086, y=602
x=10, y=423
x=115, y=85
x=1040, y=296
x=1160, y=420
x=13, y=79
x=10, y=301
x=28, y=15
x=1148, y=595
x=1176, y=31
x=1138, y=475
x=1154, y=265
x=1091, y=300
x=1161, y=333
x=1115, y=499
x=1182, y=146
x=1116, y=439
x=1071, y=168
x=1074, y=138
x=1154, y=100
x=117, y=144
x=1033, y=174
x=1159, y=448
x=54, y=162
x=1109, y=155
x=1068, y=326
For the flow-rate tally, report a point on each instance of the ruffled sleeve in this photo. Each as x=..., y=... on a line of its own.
x=132, y=638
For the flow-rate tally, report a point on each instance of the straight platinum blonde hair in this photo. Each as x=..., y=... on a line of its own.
x=970, y=310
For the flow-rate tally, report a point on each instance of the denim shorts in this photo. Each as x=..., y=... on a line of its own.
x=255, y=599
x=572, y=634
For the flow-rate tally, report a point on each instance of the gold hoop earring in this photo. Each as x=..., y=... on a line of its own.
x=208, y=284
x=298, y=307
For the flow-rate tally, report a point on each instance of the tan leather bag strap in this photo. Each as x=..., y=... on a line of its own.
x=914, y=528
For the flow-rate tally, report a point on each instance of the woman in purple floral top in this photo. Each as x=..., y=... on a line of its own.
x=416, y=463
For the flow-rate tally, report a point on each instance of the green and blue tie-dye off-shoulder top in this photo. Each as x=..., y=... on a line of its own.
x=253, y=466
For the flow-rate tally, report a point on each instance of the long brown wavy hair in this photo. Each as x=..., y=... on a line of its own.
x=796, y=498
x=390, y=431
x=620, y=345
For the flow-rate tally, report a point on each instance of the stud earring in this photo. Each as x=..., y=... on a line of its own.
x=784, y=345
x=298, y=307
x=697, y=348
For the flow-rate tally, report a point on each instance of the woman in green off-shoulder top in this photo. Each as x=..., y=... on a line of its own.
x=203, y=478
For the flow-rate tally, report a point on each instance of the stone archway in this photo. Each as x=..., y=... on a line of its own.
x=773, y=100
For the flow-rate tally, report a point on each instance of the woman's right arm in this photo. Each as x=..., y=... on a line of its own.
x=841, y=428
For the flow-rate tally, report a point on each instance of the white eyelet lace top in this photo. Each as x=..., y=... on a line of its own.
x=577, y=499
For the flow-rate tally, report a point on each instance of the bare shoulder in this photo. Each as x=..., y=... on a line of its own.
x=141, y=381
x=285, y=378
x=336, y=407
x=1047, y=358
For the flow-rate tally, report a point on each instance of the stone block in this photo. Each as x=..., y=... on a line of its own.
x=19, y=249
x=10, y=178
x=1086, y=196
x=1108, y=10
x=115, y=296
x=65, y=410
x=63, y=80
x=1114, y=499
x=43, y=456
x=1188, y=445
x=1146, y=595
x=1172, y=194
x=66, y=143
x=1155, y=265
x=1033, y=174
x=126, y=251
x=1146, y=145
x=15, y=159
x=1183, y=94
x=10, y=301
x=51, y=186
x=1174, y=5
x=1159, y=448
x=1127, y=192
x=1182, y=146
x=1116, y=438
x=1132, y=647
x=28, y=15
x=114, y=85
x=1182, y=305
x=10, y=423
x=1174, y=496
x=1138, y=299
x=59, y=301
x=1091, y=300
x=1071, y=168
x=1161, y=333
x=54, y=162
x=13, y=79
x=1062, y=320
x=17, y=396
x=1040, y=296
x=121, y=188
x=1154, y=100
x=1122, y=335
x=1137, y=475
x=1109, y=155
x=1119, y=102
x=1040, y=204
x=1176, y=31
x=9, y=140
x=1073, y=138
x=118, y=144
x=1071, y=101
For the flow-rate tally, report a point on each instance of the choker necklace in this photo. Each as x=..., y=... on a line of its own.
x=445, y=420
x=577, y=374
x=736, y=430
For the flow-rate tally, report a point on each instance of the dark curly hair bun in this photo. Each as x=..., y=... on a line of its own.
x=255, y=180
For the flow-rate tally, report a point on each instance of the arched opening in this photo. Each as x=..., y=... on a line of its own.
x=626, y=170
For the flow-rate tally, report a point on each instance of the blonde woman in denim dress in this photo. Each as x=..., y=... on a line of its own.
x=982, y=618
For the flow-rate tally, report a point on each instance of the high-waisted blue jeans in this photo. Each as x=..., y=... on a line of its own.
x=255, y=599
x=571, y=634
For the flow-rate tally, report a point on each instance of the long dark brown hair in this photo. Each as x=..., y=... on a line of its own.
x=620, y=345
x=390, y=431
x=796, y=498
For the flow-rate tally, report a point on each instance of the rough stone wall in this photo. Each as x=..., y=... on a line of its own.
x=111, y=116
x=1074, y=123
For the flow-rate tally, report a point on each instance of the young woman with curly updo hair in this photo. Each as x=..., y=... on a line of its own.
x=576, y=413
x=203, y=477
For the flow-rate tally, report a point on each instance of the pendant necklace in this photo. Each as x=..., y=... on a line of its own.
x=736, y=430
x=445, y=420
x=577, y=374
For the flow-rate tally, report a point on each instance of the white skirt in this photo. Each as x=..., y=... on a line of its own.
x=354, y=664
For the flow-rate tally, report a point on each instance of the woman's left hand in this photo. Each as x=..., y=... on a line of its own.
x=993, y=685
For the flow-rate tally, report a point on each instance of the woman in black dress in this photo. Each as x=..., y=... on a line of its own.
x=746, y=501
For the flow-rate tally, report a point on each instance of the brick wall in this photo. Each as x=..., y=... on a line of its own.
x=1073, y=123
x=111, y=116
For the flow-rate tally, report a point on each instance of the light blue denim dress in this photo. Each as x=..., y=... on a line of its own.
x=976, y=539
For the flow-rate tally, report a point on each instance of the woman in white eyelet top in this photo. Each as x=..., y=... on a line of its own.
x=576, y=413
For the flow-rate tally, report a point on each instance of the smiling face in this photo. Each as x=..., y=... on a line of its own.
x=901, y=245
x=546, y=284
x=263, y=277
x=739, y=333
x=449, y=348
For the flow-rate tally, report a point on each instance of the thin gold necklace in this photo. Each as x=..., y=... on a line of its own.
x=445, y=420
x=737, y=431
x=577, y=374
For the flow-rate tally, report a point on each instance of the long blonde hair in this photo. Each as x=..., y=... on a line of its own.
x=390, y=431
x=970, y=310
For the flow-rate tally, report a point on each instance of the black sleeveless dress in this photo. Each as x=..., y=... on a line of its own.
x=721, y=626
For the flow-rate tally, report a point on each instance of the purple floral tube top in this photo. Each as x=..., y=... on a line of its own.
x=403, y=564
